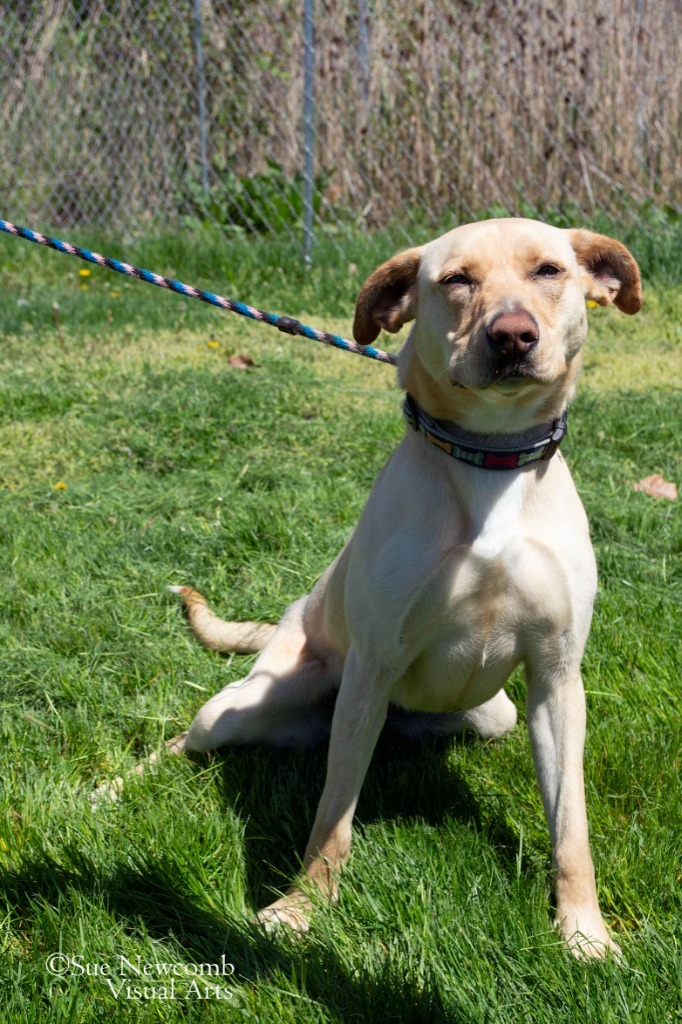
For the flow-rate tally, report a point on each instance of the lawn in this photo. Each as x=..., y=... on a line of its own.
x=133, y=456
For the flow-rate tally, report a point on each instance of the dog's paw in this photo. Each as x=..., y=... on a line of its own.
x=291, y=911
x=106, y=793
x=590, y=947
x=587, y=936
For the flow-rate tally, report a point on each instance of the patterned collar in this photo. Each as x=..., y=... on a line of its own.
x=508, y=451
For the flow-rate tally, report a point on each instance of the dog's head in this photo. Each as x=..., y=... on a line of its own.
x=499, y=311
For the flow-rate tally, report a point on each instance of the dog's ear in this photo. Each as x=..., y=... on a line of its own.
x=610, y=273
x=388, y=297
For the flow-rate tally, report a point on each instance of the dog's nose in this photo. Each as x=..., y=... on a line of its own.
x=513, y=335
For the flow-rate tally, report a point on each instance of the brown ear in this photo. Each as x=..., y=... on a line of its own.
x=388, y=297
x=610, y=273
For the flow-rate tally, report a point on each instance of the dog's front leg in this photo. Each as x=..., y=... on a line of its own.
x=359, y=715
x=556, y=721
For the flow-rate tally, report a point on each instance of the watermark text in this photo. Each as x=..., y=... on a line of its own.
x=134, y=978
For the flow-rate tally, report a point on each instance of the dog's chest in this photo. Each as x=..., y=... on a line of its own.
x=494, y=514
x=470, y=636
x=470, y=623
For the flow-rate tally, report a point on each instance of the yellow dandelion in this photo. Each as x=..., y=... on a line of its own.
x=212, y=344
x=591, y=304
x=84, y=272
x=114, y=295
x=61, y=486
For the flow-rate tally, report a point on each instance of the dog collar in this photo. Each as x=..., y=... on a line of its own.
x=511, y=452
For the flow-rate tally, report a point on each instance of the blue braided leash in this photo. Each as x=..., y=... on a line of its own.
x=286, y=324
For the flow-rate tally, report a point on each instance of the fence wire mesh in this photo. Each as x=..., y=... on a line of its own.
x=125, y=113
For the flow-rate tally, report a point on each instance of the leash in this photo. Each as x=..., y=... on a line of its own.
x=286, y=324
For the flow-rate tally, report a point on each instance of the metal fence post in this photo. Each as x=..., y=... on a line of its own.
x=308, y=130
x=201, y=88
x=363, y=112
x=363, y=50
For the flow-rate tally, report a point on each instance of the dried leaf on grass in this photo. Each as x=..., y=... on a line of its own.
x=656, y=487
x=240, y=362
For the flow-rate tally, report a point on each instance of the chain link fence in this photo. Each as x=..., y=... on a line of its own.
x=272, y=115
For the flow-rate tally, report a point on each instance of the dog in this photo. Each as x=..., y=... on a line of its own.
x=471, y=556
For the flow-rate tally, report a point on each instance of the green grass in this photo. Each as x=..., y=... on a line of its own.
x=179, y=469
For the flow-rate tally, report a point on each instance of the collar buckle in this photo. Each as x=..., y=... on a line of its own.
x=559, y=429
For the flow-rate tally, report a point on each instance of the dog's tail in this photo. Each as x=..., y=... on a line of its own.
x=219, y=635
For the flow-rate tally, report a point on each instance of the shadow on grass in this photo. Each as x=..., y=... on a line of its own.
x=147, y=898
x=276, y=792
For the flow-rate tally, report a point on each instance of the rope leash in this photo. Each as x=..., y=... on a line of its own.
x=286, y=324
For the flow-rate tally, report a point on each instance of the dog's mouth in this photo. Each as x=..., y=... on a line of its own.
x=512, y=377
x=519, y=369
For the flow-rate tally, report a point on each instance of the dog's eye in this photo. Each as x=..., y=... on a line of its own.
x=456, y=279
x=547, y=270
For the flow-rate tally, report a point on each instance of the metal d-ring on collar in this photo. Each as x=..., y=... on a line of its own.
x=511, y=453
